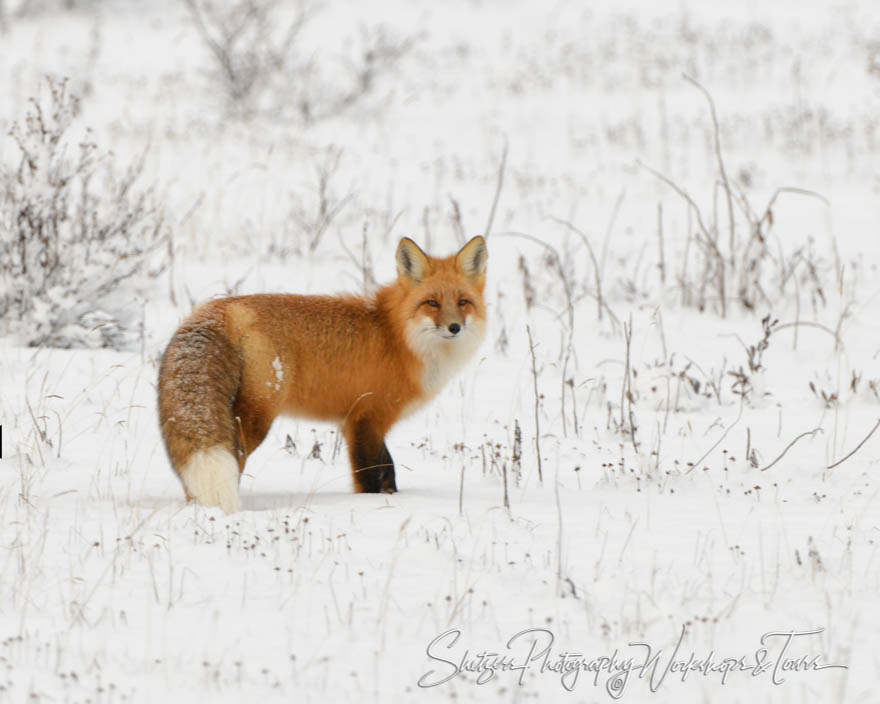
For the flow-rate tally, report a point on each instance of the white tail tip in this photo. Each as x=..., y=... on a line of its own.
x=211, y=478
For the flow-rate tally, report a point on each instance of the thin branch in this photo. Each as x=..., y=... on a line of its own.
x=662, y=264
x=537, y=404
x=559, y=529
x=857, y=448
x=797, y=191
x=626, y=389
x=598, y=275
x=558, y=260
x=615, y=211
x=811, y=324
x=457, y=224
x=684, y=194
x=720, y=440
x=724, y=181
x=498, y=186
x=703, y=229
x=790, y=445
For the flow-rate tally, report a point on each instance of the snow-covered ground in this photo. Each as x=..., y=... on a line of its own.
x=716, y=522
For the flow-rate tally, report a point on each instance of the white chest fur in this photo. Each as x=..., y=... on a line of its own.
x=442, y=357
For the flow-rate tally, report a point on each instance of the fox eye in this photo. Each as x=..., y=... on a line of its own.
x=431, y=302
x=462, y=302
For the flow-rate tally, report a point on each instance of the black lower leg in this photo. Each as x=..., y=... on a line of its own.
x=371, y=462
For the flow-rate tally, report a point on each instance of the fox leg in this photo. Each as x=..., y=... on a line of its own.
x=371, y=464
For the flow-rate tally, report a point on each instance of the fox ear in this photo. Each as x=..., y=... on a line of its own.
x=412, y=262
x=471, y=260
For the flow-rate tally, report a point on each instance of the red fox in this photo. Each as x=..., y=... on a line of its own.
x=236, y=363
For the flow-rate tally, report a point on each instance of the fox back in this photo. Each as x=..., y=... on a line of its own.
x=237, y=363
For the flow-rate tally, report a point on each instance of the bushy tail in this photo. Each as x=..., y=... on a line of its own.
x=198, y=380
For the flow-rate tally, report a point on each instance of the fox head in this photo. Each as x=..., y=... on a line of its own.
x=443, y=306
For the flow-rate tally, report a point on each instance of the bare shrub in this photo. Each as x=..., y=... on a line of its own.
x=259, y=63
x=745, y=268
x=315, y=217
x=78, y=239
x=250, y=49
x=743, y=379
x=34, y=8
x=315, y=206
x=378, y=52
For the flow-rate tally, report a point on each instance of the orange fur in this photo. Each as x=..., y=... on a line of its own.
x=237, y=363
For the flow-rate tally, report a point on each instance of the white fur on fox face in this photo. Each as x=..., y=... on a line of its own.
x=441, y=352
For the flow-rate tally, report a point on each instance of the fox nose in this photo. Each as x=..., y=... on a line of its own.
x=454, y=328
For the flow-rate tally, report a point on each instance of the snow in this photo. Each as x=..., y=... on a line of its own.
x=279, y=375
x=720, y=516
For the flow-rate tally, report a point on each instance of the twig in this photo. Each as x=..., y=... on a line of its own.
x=838, y=343
x=707, y=235
x=516, y=456
x=662, y=264
x=567, y=289
x=58, y=416
x=789, y=446
x=566, y=284
x=797, y=311
x=189, y=213
x=574, y=410
x=598, y=274
x=498, y=186
x=792, y=189
x=395, y=553
x=724, y=181
x=393, y=222
x=626, y=389
x=537, y=404
x=366, y=263
x=457, y=224
x=629, y=536
x=685, y=292
x=610, y=228
x=720, y=440
x=40, y=433
x=559, y=527
x=857, y=447
x=657, y=462
x=691, y=202
x=461, y=492
x=427, y=227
